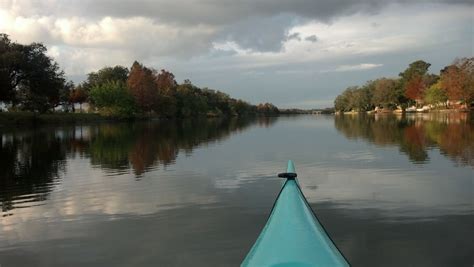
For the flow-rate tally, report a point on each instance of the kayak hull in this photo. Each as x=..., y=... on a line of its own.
x=293, y=236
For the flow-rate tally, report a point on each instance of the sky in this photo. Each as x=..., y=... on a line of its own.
x=299, y=53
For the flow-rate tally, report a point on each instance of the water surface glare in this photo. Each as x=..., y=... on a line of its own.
x=390, y=190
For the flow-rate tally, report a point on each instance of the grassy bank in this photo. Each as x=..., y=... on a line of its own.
x=30, y=118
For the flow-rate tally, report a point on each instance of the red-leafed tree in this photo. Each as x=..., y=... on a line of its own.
x=415, y=88
x=458, y=80
x=166, y=102
x=141, y=83
x=78, y=95
x=414, y=79
x=166, y=82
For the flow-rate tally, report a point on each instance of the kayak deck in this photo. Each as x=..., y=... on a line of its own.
x=293, y=235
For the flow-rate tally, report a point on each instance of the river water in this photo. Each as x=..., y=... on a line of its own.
x=390, y=190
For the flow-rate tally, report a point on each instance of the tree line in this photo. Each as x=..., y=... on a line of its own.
x=452, y=88
x=30, y=80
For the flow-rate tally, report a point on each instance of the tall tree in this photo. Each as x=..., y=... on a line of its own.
x=340, y=103
x=458, y=80
x=414, y=81
x=190, y=101
x=415, y=88
x=41, y=79
x=385, y=93
x=166, y=82
x=166, y=102
x=417, y=68
x=436, y=95
x=10, y=76
x=113, y=99
x=141, y=83
x=64, y=96
x=267, y=109
x=106, y=74
x=78, y=96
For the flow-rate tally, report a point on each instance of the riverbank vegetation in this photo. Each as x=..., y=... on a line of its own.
x=32, y=81
x=452, y=88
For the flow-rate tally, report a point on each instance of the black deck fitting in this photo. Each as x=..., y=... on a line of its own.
x=288, y=175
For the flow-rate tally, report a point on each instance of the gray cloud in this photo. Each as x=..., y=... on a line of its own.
x=312, y=38
x=259, y=34
x=256, y=25
x=294, y=36
x=206, y=11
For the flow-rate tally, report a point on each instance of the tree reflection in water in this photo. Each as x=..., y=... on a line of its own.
x=32, y=161
x=29, y=165
x=141, y=146
x=415, y=134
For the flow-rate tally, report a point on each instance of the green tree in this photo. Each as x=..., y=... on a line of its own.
x=414, y=81
x=29, y=76
x=267, y=109
x=104, y=75
x=436, y=95
x=417, y=68
x=219, y=103
x=113, y=99
x=242, y=108
x=42, y=80
x=10, y=75
x=362, y=97
x=386, y=93
x=64, y=96
x=190, y=101
x=340, y=103
x=351, y=100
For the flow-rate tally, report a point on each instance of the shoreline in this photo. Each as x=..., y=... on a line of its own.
x=26, y=119
x=396, y=111
x=21, y=119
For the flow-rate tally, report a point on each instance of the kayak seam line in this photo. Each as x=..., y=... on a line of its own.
x=322, y=226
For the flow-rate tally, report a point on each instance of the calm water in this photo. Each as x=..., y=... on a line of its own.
x=391, y=191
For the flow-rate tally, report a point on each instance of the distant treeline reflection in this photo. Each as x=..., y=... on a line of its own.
x=31, y=162
x=451, y=133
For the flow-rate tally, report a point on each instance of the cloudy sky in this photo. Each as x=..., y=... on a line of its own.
x=298, y=53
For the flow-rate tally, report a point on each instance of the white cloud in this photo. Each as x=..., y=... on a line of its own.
x=362, y=66
x=354, y=36
x=82, y=45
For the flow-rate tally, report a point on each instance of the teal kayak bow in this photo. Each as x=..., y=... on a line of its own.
x=293, y=236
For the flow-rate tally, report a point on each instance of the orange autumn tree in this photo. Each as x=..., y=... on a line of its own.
x=165, y=81
x=458, y=80
x=415, y=88
x=166, y=84
x=141, y=83
x=78, y=95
